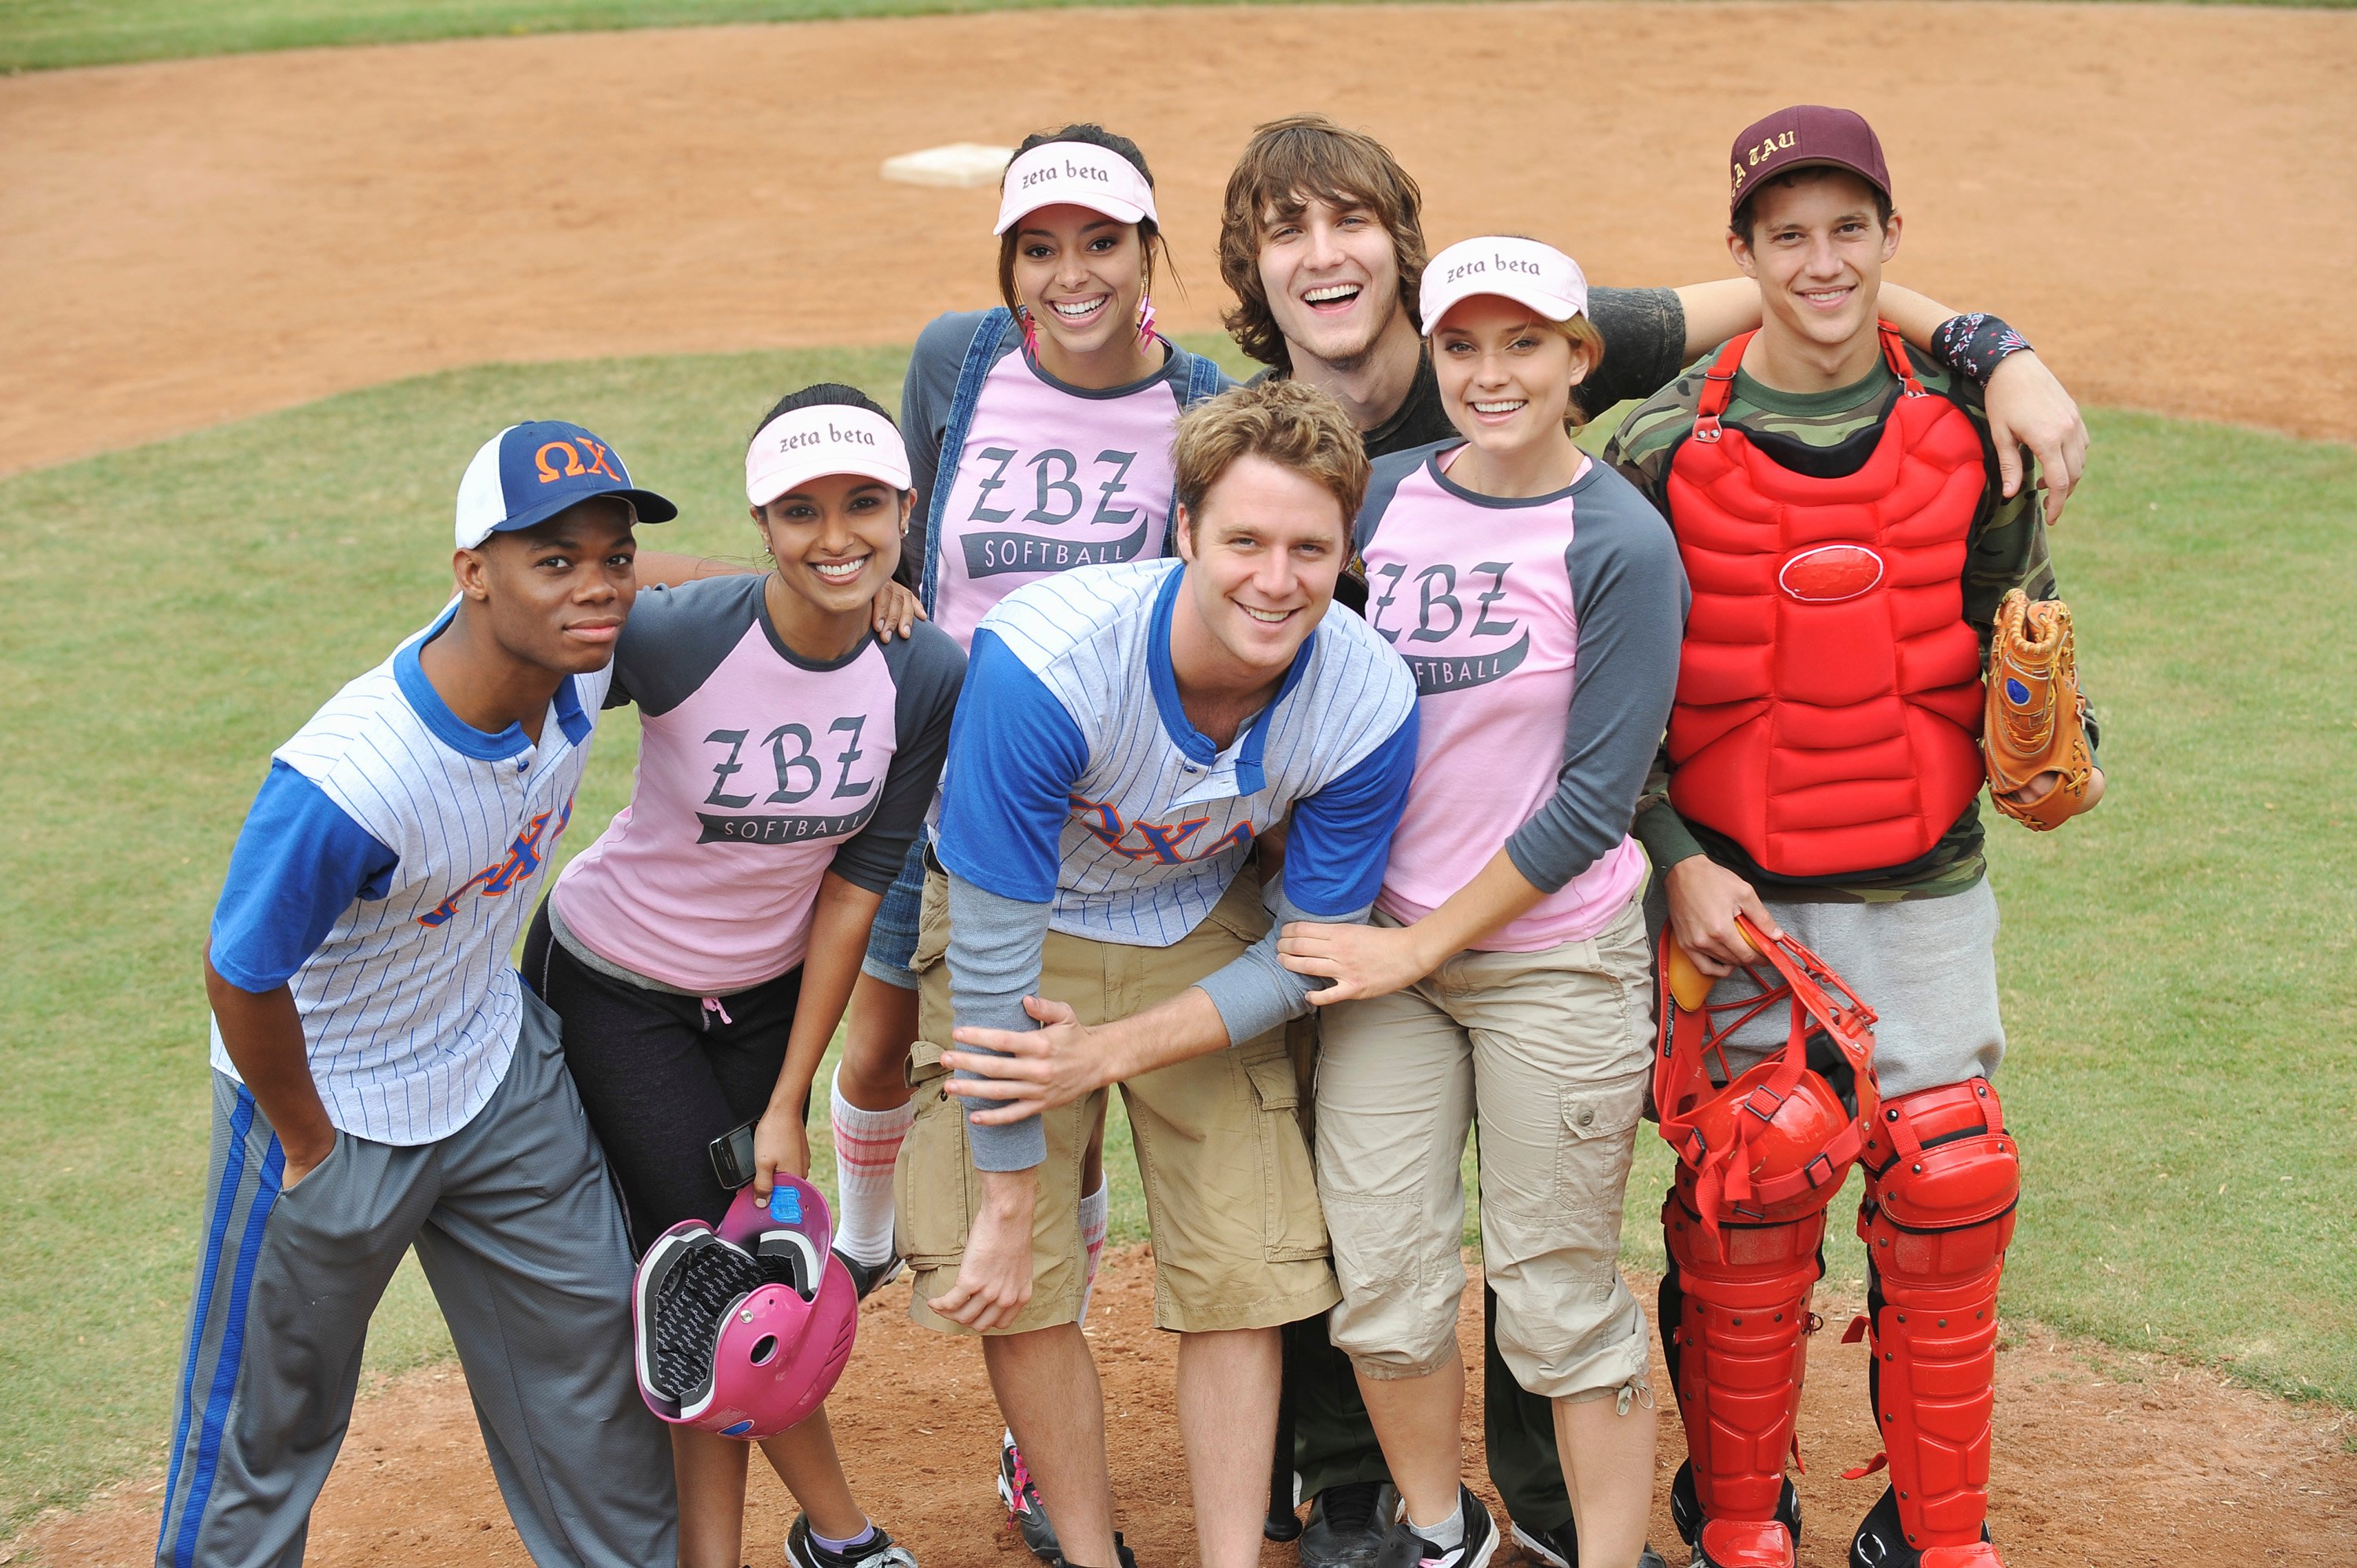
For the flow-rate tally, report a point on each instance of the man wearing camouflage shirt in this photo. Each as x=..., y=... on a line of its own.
x=1834, y=491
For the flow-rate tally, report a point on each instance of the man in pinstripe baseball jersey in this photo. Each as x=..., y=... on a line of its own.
x=1128, y=737
x=382, y=1077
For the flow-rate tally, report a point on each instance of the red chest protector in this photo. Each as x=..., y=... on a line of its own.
x=1829, y=691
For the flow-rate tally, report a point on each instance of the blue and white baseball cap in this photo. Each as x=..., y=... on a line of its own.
x=528, y=473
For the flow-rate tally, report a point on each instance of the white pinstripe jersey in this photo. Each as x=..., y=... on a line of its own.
x=1154, y=829
x=411, y=1006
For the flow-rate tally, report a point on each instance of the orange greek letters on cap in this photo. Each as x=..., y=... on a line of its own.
x=573, y=468
x=598, y=464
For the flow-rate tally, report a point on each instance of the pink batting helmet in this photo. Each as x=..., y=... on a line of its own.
x=743, y=1330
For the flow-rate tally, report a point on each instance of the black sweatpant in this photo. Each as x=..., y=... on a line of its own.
x=661, y=1076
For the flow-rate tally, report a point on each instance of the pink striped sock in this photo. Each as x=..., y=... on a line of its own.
x=866, y=1145
x=1094, y=1219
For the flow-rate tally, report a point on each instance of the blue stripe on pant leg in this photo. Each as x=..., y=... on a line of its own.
x=224, y=1200
x=232, y=1344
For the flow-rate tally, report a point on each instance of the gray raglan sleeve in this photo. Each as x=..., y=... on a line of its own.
x=1628, y=593
x=1644, y=332
x=927, y=667
x=675, y=637
x=995, y=945
x=1254, y=991
x=925, y=393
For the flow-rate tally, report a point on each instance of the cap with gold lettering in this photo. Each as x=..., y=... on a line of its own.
x=1805, y=136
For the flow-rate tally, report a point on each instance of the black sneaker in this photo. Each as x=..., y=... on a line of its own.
x=876, y=1552
x=1559, y=1547
x=1025, y=1511
x=1403, y=1548
x=1346, y=1523
x=1124, y=1556
x=1120, y=1552
x=1881, y=1541
x=866, y=1277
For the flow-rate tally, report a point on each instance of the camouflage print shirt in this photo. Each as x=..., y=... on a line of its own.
x=2007, y=550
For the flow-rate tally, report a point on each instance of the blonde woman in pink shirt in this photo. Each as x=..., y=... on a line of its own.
x=1539, y=601
x=701, y=951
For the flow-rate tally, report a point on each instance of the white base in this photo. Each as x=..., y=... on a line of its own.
x=959, y=164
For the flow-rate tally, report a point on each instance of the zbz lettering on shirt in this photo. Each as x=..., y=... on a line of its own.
x=787, y=770
x=1059, y=499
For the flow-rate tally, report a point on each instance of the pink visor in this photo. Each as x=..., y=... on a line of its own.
x=1077, y=172
x=805, y=444
x=1524, y=271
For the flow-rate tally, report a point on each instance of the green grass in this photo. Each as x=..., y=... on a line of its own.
x=40, y=35
x=2179, y=966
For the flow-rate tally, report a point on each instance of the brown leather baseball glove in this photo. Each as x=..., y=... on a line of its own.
x=2034, y=721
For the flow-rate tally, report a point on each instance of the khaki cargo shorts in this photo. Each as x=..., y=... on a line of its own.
x=1549, y=1052
x=1231, y=1202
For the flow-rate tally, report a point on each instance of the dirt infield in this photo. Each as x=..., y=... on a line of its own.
x=2127, y=1462
x=2161, y=196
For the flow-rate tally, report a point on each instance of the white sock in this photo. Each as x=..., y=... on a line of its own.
x=1094, y=1211
x=866, y=1145
x=1449, y=1532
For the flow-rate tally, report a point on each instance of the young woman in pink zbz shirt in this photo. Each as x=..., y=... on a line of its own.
x=1538, y=600
x=1040, y=437
x=701, y=952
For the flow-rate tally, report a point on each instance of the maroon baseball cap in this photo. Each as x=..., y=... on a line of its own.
x=1801, y=136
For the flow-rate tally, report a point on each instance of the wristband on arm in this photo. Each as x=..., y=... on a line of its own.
x=1975, y=343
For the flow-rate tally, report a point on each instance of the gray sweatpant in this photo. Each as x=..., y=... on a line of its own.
x=1926, y=966
x=516, y=1224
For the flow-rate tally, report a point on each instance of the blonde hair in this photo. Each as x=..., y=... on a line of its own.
x=1287, y=423
x=1581, y=334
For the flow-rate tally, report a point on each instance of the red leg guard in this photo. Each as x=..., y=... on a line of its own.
x=1739, y=1351
x=1943, y=1178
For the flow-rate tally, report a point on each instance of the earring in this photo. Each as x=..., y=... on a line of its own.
x=1030, y=330
x=1144, y=320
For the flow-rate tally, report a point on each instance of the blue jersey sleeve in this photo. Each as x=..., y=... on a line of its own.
x=1341, y=838
x=1014, y=755
x=299, y=864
